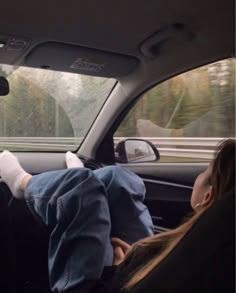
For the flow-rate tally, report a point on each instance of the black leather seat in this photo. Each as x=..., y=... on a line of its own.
x=204, y=260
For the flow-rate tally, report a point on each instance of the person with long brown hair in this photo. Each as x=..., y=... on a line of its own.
x=216, y=182
x=134, y=262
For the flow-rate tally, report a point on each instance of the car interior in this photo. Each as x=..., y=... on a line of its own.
x=136, y=45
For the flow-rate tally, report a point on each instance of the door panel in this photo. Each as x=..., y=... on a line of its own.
x=167, y=202
x=168, y=190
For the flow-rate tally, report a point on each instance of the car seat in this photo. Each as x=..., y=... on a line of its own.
x=23, y=248
x=204, y=260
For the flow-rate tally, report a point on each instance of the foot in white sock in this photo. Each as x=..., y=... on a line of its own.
x=12, y=173
x=72, y=161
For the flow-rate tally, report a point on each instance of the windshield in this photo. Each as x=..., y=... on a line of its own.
x=49, y=110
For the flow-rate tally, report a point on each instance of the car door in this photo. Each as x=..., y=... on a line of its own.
x=168, y=191
x=184, y=118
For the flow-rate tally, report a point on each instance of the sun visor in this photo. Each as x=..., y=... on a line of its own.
x=63, y=57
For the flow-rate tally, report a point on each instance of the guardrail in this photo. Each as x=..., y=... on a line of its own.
x=180, y=141
x=176, y=147
x=40, y=143
x=190, y=147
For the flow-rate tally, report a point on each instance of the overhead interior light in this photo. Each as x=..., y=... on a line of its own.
x=2, y=44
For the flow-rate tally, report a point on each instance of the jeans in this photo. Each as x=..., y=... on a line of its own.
x=83, y=209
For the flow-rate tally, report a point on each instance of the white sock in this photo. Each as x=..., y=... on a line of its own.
x=72, y=161
x=12, y=173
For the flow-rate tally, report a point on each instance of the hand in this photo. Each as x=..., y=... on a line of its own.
x=120, y=250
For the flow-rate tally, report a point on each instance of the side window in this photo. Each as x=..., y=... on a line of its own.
x=186, y=116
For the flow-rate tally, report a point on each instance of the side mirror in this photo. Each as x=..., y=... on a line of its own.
x=136, y=151
x=4, y=86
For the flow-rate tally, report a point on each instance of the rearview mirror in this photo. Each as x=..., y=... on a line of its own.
x=136, y=151
x=4, y=86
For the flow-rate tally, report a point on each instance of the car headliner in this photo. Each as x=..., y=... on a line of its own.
x=122, y=26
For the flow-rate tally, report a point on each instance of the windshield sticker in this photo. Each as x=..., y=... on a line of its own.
x=88, y=65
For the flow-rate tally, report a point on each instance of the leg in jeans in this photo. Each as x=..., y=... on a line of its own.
x=130, y=218
x=73, y=204
x=55, y=198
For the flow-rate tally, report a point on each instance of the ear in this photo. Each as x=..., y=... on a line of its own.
x=208, y=197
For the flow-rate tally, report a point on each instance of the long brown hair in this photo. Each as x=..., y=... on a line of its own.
x=222, y=181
